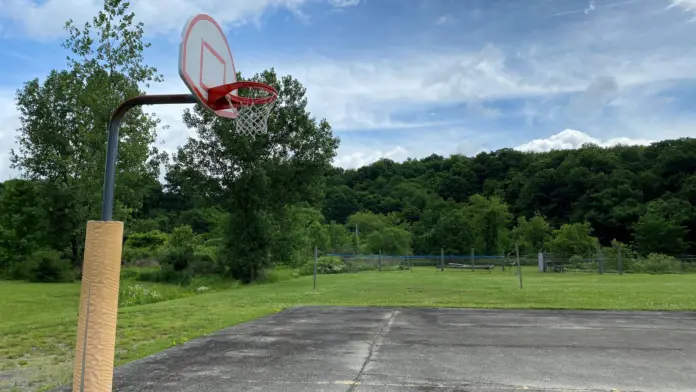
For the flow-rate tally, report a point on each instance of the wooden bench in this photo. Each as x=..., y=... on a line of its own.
x=488, y=267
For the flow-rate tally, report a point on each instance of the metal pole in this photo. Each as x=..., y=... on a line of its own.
x=473, y=262
x=503, y=261
x=379, y=266
x=442, y=259
x=519, y=269
x=315, y=268
x=112, y=141
x=110, y=171
x=619, y=261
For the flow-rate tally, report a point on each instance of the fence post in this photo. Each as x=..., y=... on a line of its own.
x=503, y=261
x=619, y=261
x=408, y=261
x=600, y=261
x=681, y=265
x=519, y=269
x=315, y=268
x=473, y=262
x=442, y=259
x=379, y=263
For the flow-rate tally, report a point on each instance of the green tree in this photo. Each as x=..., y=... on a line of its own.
x=573, y=239
x=24, y=222
x=255, y=177
x=490, y=217
x=367, y=222
x=362, y=224
x=340, y=202
x=661, y=229
x=298, y=229
x=339, y=239
x=64, y=119
x=389, y=241
x=454, y=232
x=531, y=235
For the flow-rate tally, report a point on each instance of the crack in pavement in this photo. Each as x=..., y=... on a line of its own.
x=371, y=350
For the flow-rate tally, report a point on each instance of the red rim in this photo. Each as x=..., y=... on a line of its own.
x=216, y=95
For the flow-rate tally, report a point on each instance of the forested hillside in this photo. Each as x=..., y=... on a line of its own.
x=634, y=194
x=637, y=197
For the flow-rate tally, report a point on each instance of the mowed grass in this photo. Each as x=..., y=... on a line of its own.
x=38, y=321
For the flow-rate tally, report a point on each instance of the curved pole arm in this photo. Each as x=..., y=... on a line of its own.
x=112, y=142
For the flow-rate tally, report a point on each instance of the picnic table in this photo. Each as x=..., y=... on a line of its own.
x=488, y=267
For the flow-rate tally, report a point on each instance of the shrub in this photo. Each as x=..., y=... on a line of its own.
x=325, y=265
x=214, y=242
x=308, y=269
x=580, y=263
x=656, y=263
x=207, y=253
x=277, y=274
x=144, y=246
x=45, y=266
x=137, y=295
x=166, y=274
x=150, y=240
x=145, y=263
x=202, y=264
x=267, y=276
x=131, y=255
x=575, y=259
x=143, y=225
x=362, y=264
x=149, y=276
x=129, y=273
x=420, y=262
x=183, y=237
x=177, y=257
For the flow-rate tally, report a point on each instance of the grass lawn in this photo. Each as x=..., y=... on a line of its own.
x=38, y=321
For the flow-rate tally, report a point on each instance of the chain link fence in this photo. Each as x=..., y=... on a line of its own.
x=355, y=263
x=545, y=262
x=618, y=264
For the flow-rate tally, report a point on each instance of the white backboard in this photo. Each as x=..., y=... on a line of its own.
x=205, y=59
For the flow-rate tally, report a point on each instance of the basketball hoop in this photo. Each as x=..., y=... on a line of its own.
x=253, y=102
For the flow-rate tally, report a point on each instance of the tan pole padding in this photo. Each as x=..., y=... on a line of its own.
x=96, y=326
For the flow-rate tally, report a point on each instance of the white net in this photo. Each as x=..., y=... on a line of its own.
x=252, y=119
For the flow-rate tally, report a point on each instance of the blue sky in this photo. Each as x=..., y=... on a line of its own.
x=402, y=79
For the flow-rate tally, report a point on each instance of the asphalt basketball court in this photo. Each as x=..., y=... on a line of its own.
x=336, y=349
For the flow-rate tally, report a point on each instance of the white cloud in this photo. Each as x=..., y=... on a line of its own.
x=344, y=3
x=359, y=149
x=443, y=19
x=572, y=139
x=355, y=159
x=46, y=19
x=687, y=5
x=9, y=122
x=365, y=93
